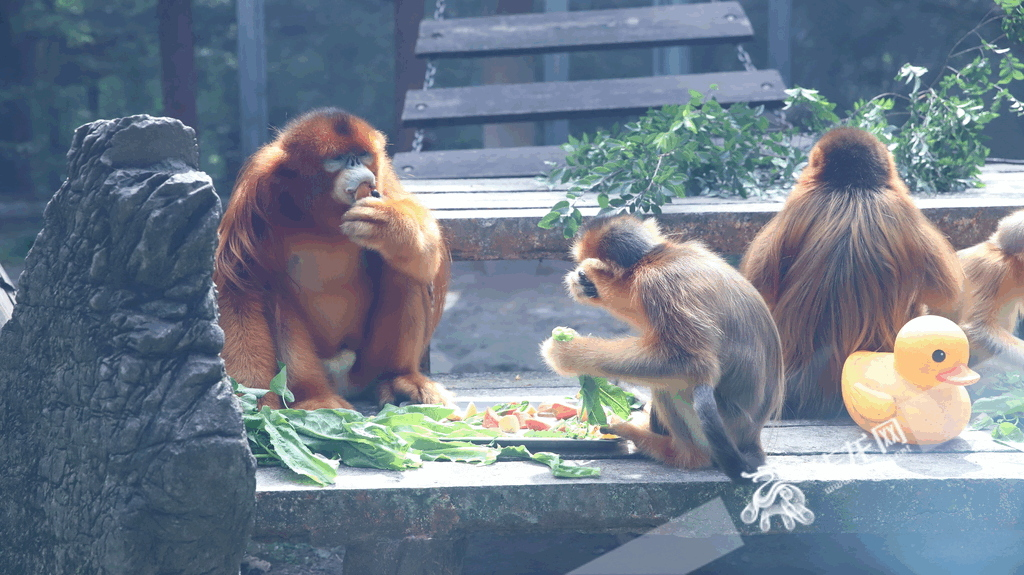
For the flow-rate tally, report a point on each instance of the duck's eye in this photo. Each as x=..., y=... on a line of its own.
x=938, y=356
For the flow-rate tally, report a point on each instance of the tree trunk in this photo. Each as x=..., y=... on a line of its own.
x=177, y=60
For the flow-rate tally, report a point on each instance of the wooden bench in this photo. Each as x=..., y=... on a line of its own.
x=489, y=200
x=561, y=32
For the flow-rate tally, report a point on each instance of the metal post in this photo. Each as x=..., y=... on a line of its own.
x=674, y=59
x=780, y=13
x=252, y=75
x=556, y=69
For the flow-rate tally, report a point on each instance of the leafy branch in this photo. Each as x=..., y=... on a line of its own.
x=703, y=148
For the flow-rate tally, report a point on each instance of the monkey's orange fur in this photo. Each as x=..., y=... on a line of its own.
x=322, y=251
x=993, y=297
x=846, y=262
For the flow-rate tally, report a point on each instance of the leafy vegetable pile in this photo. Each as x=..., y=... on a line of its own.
x=311, y=443
x=1003, y=413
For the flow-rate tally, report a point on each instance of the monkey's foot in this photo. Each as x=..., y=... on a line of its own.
x=416, y=388
x=664, y=448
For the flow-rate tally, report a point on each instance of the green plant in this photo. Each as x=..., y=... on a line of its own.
x=1003, y=413
x=939, y=146
x=697, y=148
x=702, y=148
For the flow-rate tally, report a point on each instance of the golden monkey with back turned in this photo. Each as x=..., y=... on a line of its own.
x=847, y=261
x=708, y=347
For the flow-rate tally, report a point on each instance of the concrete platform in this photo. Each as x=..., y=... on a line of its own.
x=430, y=520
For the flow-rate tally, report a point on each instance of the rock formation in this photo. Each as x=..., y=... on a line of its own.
x=121, y=446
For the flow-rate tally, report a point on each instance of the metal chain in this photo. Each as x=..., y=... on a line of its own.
x=428, y=79
x=744, y=58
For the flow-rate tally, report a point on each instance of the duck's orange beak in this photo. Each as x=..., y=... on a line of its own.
x=959, y=374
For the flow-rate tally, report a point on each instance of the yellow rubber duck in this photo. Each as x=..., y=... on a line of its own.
x=920, y=385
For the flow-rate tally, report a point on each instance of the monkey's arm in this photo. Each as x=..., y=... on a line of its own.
x=401, y=230
x=989, y=341
x=626, y=359
x=248, y=353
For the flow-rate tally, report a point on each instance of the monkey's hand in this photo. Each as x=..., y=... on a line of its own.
x=402, y=231
x=561, y=355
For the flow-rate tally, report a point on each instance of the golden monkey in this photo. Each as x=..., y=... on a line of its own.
x=707, y=347
x=993, y=298
x=847, y=261
x=323, y=255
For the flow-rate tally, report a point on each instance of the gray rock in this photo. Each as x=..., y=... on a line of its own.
x=121, y=445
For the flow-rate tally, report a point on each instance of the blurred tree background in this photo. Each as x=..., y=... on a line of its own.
x=67, y=62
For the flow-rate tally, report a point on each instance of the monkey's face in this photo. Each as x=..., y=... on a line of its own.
x=610, y=252
x=352, y=177
x=330, y=160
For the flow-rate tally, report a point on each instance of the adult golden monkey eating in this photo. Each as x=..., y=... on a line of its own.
x=322, y=256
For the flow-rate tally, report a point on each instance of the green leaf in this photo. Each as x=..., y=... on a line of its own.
x=596, y=393
x=279, y=385
x=292, y=451
x=562, y=469
x=1008, y=431
x=548, y=221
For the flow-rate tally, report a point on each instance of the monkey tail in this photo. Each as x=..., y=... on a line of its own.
x=1009, y=235
x=851, y=159
x=723, y=450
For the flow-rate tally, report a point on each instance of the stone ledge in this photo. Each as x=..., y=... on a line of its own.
x=971, y=484
x=496, y=218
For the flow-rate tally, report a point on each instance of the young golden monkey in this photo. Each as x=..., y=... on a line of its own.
x=708, y=347
x=993, y=297
x=847, y=261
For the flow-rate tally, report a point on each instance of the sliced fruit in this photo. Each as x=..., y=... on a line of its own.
x=508, y=423
x=536, y=424
x=563, y=411
x=490, y=419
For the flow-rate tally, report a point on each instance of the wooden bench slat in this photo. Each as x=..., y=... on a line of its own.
x=550, y=100
x=484, y=163
x=584, y=30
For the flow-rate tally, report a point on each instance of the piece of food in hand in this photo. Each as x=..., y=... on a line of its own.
x=490, y=419
x=563, y=411
x=508, y=423
x=562, y=333
x=366, y=189
x=536, y=424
